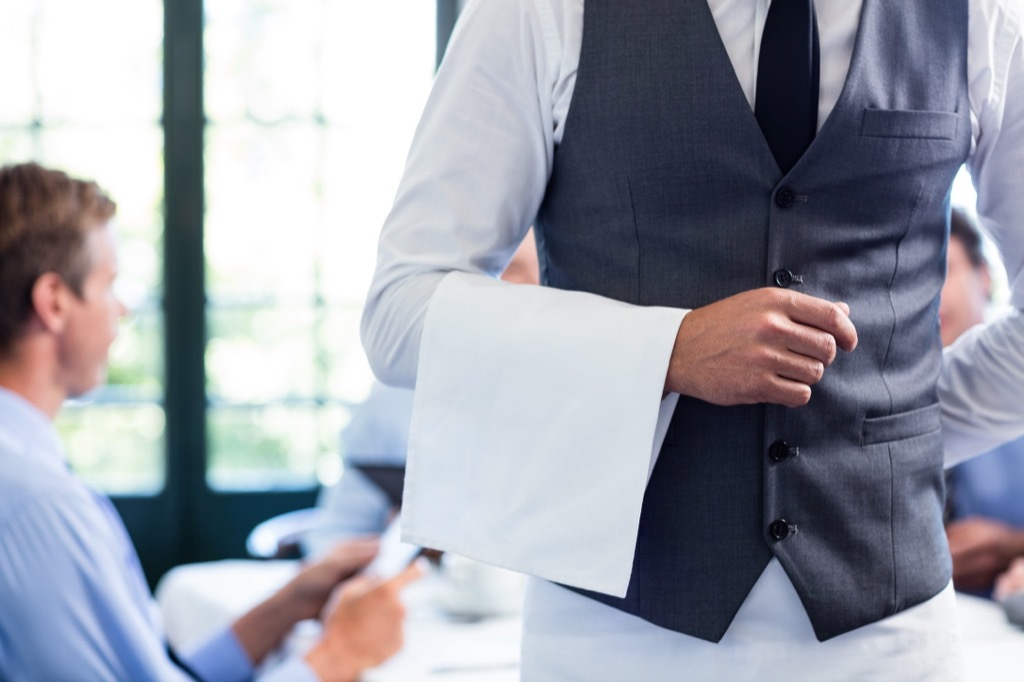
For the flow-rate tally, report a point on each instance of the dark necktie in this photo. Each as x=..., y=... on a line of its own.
x=786, y=102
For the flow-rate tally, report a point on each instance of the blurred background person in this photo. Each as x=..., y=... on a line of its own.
x=68, y=571
x=378, y=436
x=986, y=493
x=1009, y=591
x=374, y=444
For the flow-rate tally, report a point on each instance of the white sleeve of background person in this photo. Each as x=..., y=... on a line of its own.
x=981, y=385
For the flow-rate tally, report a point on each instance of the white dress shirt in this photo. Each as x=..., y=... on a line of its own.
x=540, y=410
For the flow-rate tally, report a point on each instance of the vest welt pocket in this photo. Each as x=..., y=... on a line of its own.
x=936, y=125
x=902, y=425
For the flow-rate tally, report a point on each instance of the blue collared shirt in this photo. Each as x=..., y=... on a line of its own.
x=73, y=601
x=991, y=485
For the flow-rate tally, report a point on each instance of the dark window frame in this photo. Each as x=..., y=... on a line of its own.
x=187, y=521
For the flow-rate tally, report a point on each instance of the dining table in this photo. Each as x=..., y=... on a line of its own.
x=442, y=645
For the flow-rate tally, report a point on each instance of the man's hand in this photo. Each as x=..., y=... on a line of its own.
x=262, y=628
x=762, y=346
x=982, y=549
x=362, y=626
x=1011, y=582
x=310, y=589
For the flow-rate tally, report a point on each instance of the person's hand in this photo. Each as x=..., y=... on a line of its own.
x=362, y=626
x=762, y=346
x=262, y=628
x=308, y=591
x=1011, y=581
x=981, y=549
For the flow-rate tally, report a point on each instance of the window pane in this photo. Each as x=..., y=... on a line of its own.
x=311, y=368
x=112, y=445
x=348, y=373
x=86, y=98
x=311, y=108
x=262, y=354
x=263, y=218
x=137, y=361
x=127, y=162
x=90, y=69
x=16, y=31
x=271, y=446
x=313, y=353
x=262, y=58
x=357, y=198
x=15, y=145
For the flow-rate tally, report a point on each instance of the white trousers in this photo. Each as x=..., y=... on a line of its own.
x=568, y=637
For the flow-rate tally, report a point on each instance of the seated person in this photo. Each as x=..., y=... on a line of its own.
x=378, y=435
x=75, y=605
x=985, y=494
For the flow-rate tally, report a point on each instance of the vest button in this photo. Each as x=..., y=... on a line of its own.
x=785, y=197
x=779, y=529
x=783, y=278
x=780, y=451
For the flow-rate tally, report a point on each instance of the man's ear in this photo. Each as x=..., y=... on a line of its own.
x=50, y=301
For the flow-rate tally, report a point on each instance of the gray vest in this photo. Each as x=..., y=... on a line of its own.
x=664, y=192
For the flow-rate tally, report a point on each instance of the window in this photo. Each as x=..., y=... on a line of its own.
x=90, y=103
x=303, y=155
x=253, y=148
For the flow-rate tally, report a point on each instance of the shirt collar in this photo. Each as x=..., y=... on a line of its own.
x=29, y=430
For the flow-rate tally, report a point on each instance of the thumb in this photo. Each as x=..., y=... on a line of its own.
x=410, y=573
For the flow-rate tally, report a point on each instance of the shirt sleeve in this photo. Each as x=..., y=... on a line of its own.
x=473, y=181
x=221, y=658
x=535, y=410
x=72, y=607
x=981, y=385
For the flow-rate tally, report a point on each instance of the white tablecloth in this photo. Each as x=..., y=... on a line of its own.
x=993, y=647
x=198, y=599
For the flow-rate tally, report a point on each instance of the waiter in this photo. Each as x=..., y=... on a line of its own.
x=715, y=436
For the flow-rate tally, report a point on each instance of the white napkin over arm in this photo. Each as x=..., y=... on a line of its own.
x=536, y=420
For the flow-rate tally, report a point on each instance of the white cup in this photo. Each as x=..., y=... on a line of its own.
x=471, y=589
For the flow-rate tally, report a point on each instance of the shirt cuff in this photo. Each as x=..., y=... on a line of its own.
x=220, y=659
